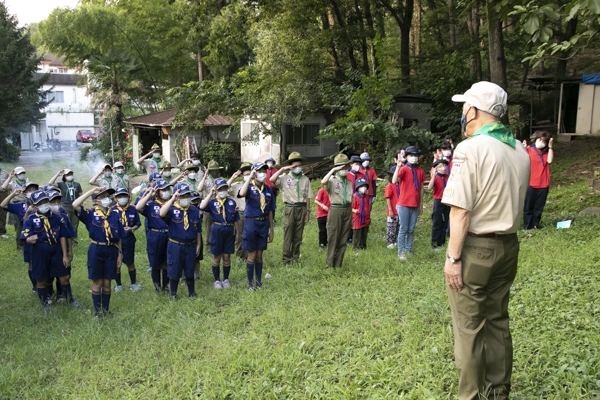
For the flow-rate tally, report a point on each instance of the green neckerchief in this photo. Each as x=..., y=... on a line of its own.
x=297, y=178
x=120, y=177
x=157, y=161
x=344, y=182
x=497, y=130
x=192, y=183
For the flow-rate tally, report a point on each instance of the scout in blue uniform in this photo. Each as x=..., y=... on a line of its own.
x=157, y=235
x=152, y=177
x=19, y=209
x=131, y=222
x=224, y=215
x=196, y=203
x=104, y=254
x=258, y=226
x=45, y=232
x=185, y=237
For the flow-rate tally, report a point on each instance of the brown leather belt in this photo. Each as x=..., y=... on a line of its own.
x=484, y=235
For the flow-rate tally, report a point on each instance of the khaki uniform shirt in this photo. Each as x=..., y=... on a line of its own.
x=294, y=190
x=490, y=179
x=233, y=193
x=208, y=185
x=340, y=191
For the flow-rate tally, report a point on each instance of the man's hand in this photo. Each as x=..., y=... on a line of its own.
x=338, y=168
x=453, y=273
x=119, y=260
x=270, y=237
x=236, y=174
x=307, y=217
x=286, y=168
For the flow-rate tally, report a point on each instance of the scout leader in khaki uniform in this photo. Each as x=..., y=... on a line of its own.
x=234, y=189
x=296, y=193
x=153, y=160
x=486, y=190
x=339, y=221
x=213, y=171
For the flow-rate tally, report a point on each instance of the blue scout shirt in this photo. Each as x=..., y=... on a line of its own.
x=19, y=209
x=223, y=211
x=253, y=201
x=129, y=216
x=49, y=228
x=93, y=219
x=70, y=231
x=184, y=225
x=152, y=213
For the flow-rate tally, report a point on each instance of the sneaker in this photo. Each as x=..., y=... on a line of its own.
x=218, y=285
x=46, y=309
x=402, y=256
x=391, y=246
x=257, y=285
x=119, y=288
x=149, y=269
x=173, y=298
x=439, y=248
x=61, y=300
x=34, y=291
x=193, y=296
x=75, y=304
x=226, y=284
x=4, y=236
x=135, y=287
x=97, y=314
x=250, y=287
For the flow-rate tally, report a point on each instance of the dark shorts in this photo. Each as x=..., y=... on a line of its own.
x=255, y=234
x=222, y=239
x=27, y=252
x=128, y=249
x=201, y=255
x=46, y=261
x=102, y=262
x=156, y=246
x=180, y=259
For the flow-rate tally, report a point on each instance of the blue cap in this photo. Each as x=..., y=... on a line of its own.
x=355, y=159
x=361, y=182
x=32, y=184
x=154, y=176
x=53, y=194
x=121, y=190
x=412, y=150
x=259, y=165
x=38, y=196
x=220, y=182
x=365, y=156
x=270, y=159
x=392, y=170
x=182, y=187
x=50, y=188
x=108, y=190
x=161, y=184
x=439, y=161
x=195, y=195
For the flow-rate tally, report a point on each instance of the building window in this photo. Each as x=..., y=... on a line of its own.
x=62, y=70
x=56, y=97
x=302, y=135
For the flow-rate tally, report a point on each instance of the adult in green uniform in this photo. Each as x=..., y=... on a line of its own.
x=339, y=221
x=296, y=193
x=153, y=160
x=213, y=171
x=486, y=191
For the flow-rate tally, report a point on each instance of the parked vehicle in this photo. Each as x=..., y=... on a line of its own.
x=85, y=136
x=49, y=145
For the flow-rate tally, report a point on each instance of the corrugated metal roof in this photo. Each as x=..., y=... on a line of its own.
x=165, y=118
x=59, y=79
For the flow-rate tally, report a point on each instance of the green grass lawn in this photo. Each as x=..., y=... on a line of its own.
x=377, y=328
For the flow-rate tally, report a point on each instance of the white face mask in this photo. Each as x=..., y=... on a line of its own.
x=261, y=176
x=166, y=174
x=270, y=164
x=108, y=174
x=120, y=171
x=166, y=195
x=106, y=202
x=539, y=144
x=343, y=172
x=355, y=167
x=55, y=209
x=246, y=177
x=192, y=175
x=366, y=163
x=156, y=155
x=122, y=200
x=413, y=159
x=69, y=178
x=21, y=176
x=185, y=202
x=196, y=162
x=446, y=153
x=222, y=194
x=28, y=195
x=297, y=170
x=44, y=208
x=362, y=190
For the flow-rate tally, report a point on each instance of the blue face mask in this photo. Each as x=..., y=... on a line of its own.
x=463, y=122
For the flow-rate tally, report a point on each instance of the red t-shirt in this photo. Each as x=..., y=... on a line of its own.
x=322, y=197
x=439, y=185
x=356, y=204
x=270, y=173
x=539, y=177
x=353, y=177
x=409, y=196
x=392, y=192
x=370, y=176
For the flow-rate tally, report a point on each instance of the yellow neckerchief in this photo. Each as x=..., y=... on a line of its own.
x=123, y=214
x=186, y=223
x=222, y=204
x=47, y=228
x=105, y=223
x=263, y=200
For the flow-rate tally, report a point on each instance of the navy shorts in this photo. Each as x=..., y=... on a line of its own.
x=102, y=262
x=180, y=259
x=46, y=261
x=255, y=234
x=156, y=246
x=27, y=252
x=201, y=255
x=128, y=249
x=222, y=239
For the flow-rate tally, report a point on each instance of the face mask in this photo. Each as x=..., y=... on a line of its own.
x=21, y=177
x=106, y=202
x=108, y=174
x=355, y=167
x=539, y=144
x=156, y=155
x=362, y=190
x=270, y=164
x=166, y=174
x=28, y=195
x=463, y=122
x=365, y=164
x=196, y=162
x=185, y=202
x=222, y=194
x=122, y=200
x=413, y=159
x=343, y=172
x=192, y=175
x=166, y=195
x=447, y=153
x=69, y=178
x=120, y=171
x=297, y=170
x=246, y=177
x=261, y=176
x=44, y=208
x=55, y=209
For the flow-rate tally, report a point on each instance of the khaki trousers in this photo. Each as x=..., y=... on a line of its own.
x=482, y=341
x=241, y=253
x=293, y=229
x=72, y=218
x=339, y=224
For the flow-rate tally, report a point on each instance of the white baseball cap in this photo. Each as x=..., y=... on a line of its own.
x=118, y=164
x=485, y=96
x=19, y=170
x=67, y=171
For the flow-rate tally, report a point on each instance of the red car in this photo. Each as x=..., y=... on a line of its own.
x=85, y=136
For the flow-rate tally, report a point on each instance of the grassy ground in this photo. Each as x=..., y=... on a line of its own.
x=377, y=328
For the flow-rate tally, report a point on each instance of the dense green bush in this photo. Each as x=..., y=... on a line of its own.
x=220, y=152
x=10, y=152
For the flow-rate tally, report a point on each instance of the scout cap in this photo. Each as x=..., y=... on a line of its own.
x=355, y=159
x=107, y=166
x=439, y=161
x=220, y=182
x=155, y=147
x=38, y=196
x=392, y=170
x=361, y=182
x=154, y=176
x=161, y=184
x=32, y=184
x=19, y=170
x=270, y=159
x=108, y=190
x=245, y=166
x=259, y=165
x=412, y=150
x=195, y=195
x=183, y=188
x=213, y=165
x=53, y=195
x=67, y=171
x=294, y=156
x=121, y=190
x=166, y=164
x=190, y=167
x=118, y=164
x=485, y=96
x=340, y=159
x=50, y=188
x=365, y=156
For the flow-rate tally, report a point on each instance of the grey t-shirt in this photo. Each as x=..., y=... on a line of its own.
x=69, y=191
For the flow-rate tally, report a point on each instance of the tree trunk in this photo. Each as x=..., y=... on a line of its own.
x=371, y=33
x=199, y=58
x=496, y=47
x=451, y=23
x=416, y=30
x=561, y=64
x=473, y=26
x=406, y=23
x=120, y=138
x=431, y=5
x=335, y=62
x=363, y=40
x=342, y=23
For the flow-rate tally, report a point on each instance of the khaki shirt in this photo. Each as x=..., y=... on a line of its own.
x=208, y=185
x=294, y=190
x=490, y=179
x=233, y=193
x=337, y=188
